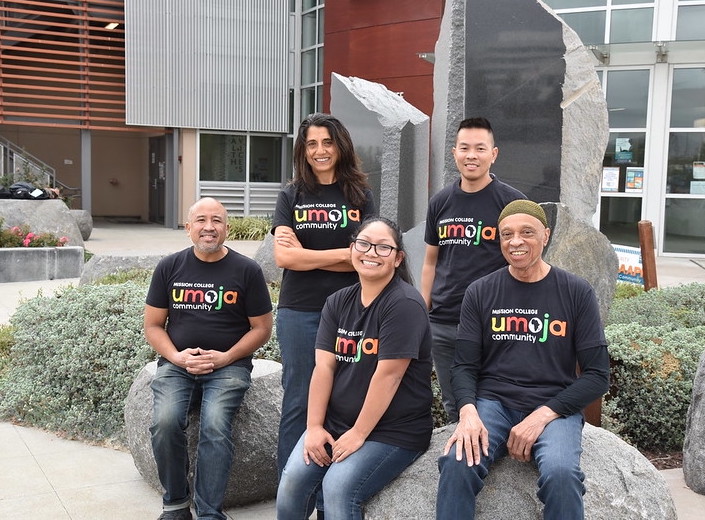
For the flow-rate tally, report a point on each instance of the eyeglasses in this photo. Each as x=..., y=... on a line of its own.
x=363, y=246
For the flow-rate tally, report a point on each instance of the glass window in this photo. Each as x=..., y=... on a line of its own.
x=625, y=2
x=309, y=30
x=308, y=102
x=222, y=157
x=265, y=159
x=684, y=225
x=691, y=23
x=631, y=25
x=320, y=25
x=571, y=4
x=627, y=98
x=619, y=219
x=589, y=26
x=309, y=4
x=686, y=163
x=309, y=67
x=688, y=98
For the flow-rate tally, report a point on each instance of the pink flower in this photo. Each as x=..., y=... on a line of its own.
x=26, y=242
x=30, y=236
x=15, y=230
x=62, y=241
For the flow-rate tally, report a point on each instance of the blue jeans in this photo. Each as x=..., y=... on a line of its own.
x=346, y=485
x=556, y=452
x=443, y=353
x=175, y=392
x=296, y=333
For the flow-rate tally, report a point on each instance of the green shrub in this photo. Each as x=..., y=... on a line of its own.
x=136, y=275
x=7, y=339
x=624, y=290
x=248, y=228
x=680, y=306
x=653, y=369
x=74, y=359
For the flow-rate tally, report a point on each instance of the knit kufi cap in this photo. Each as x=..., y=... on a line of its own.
x=526, y=207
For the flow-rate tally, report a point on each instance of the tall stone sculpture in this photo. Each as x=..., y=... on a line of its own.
x=524, y=69
x=391, y=137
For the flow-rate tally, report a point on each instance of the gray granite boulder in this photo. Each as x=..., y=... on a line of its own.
x=694, y=445
x=84, y=220
x=620, y=483
x=253, y=476
x=265, y=258
x=42, y=216
x=102, y=265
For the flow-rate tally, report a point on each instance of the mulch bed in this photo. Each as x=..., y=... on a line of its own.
x=664, y=459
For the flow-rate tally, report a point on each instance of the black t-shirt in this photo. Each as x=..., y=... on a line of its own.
x=464, y=227
x=324, y=220
x=209, y=303
x=526, y=338
x=394, y=326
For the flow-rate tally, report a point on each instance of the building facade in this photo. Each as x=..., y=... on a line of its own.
x=182, y=99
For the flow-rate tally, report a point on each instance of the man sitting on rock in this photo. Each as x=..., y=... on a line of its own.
x=522, y=330
x=208, y=309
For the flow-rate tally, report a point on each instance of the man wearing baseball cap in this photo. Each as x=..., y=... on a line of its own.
x=523, y=329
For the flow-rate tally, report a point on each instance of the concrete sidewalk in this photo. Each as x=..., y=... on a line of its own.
x=45, y=476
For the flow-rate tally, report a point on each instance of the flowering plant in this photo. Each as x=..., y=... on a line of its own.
x=21, y=236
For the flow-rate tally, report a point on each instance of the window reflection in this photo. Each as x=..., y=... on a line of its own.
x=265, y=159
x=619, y=219
x=685, y=227
x=686, y=163
x=691, y=23
x=688, y=105
x=631, y=25
x=627, y=98
x=222, y=157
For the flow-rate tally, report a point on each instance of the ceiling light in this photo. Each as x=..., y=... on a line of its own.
x=112, y=25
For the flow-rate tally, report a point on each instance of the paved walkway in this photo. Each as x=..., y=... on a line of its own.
x=47, y=477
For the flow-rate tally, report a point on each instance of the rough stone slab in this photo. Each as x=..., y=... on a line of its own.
x=391, y=138
x=621, y=483
x=694, y=445
x=42, y=216
x=102, y=265
x=25, y=264
x=84, y=220
x=253, y=476
x=265, y=258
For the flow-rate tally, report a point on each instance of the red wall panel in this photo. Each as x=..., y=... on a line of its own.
x=380, y=41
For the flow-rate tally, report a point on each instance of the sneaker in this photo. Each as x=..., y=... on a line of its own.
x=179, y=514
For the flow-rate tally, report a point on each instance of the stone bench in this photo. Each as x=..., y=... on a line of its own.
x=253, y=476
x=621, y=483
x=694, y=445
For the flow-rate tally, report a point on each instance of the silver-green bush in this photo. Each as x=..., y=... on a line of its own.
x=74, y=358
x=655, y=342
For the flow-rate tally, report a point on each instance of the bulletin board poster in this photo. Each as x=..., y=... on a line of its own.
x=610, y=178
x=623, y=152
x=699, y=170
x=634, y=182
x=630, y=266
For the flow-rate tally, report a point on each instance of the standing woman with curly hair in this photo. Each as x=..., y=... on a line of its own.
x=316, y=214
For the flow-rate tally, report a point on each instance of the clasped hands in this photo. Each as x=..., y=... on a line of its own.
x=317, y=438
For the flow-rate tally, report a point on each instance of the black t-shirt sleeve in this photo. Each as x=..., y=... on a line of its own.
x=592, y=383
x=283, y=209
x=157, y=295
x=257, y=300
x=402, y=326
